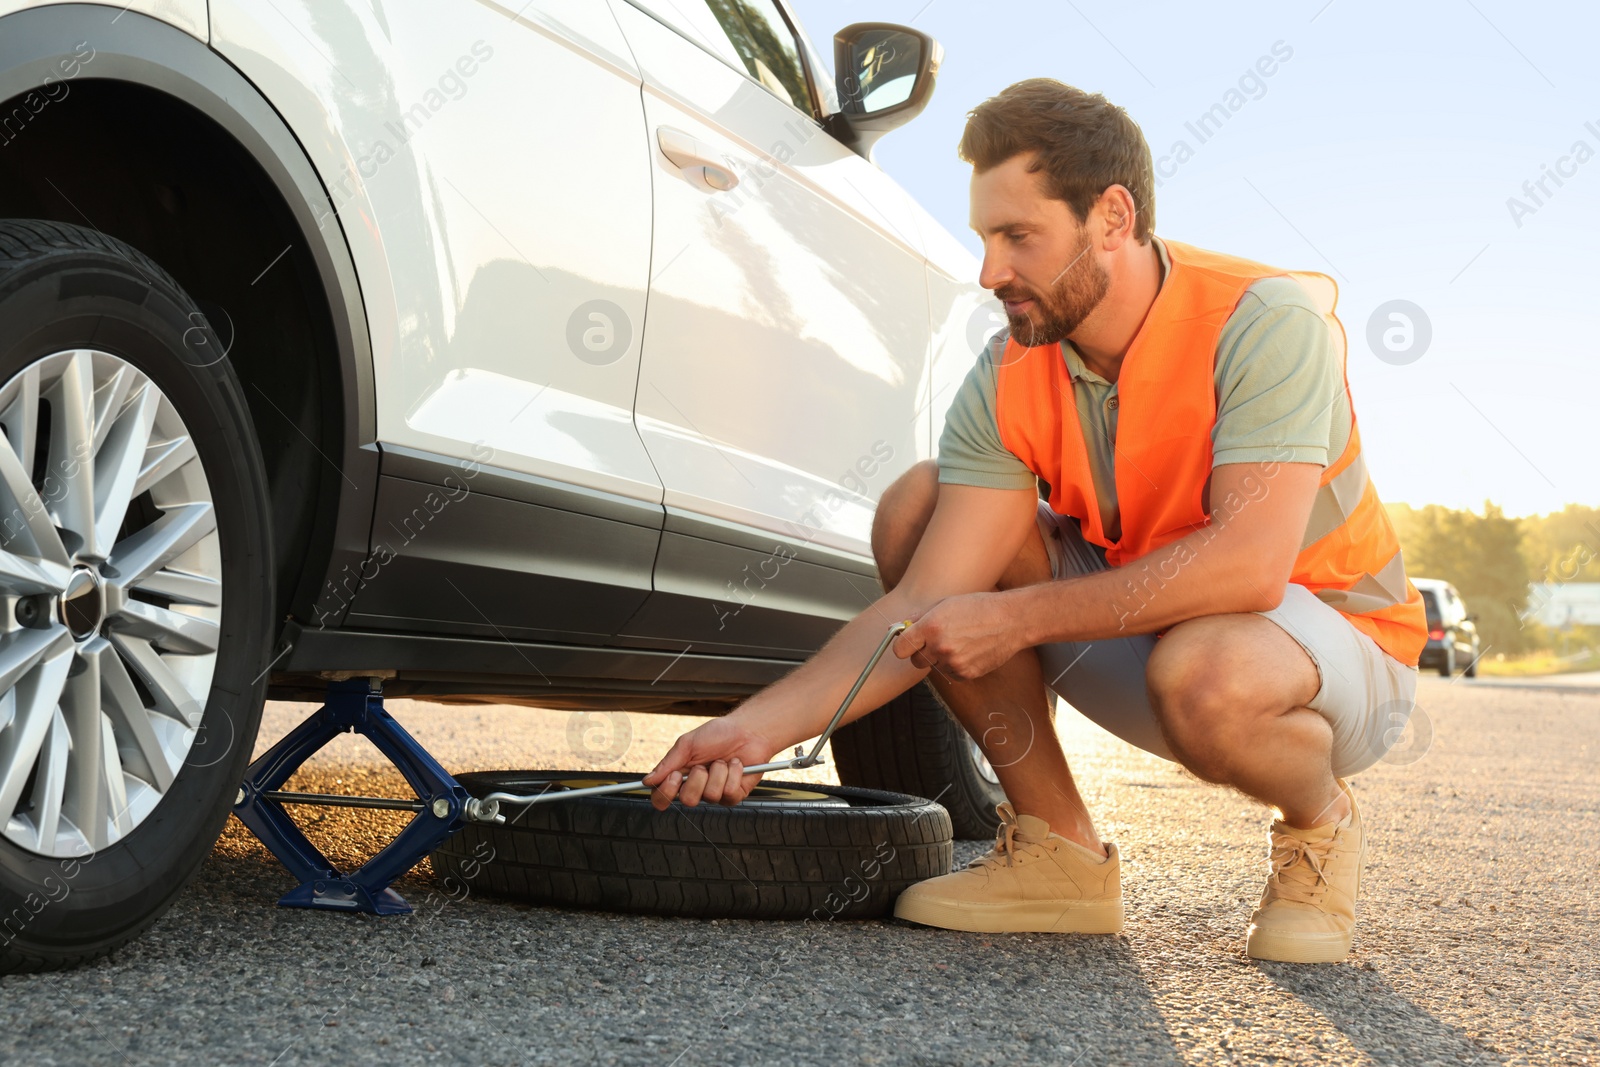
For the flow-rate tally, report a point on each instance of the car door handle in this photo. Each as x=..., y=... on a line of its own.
x=690, y=154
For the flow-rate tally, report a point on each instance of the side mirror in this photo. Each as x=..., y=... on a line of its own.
x=1472, y=618
x=885, y=76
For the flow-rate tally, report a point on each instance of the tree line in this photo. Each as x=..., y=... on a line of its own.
x=1491, y=559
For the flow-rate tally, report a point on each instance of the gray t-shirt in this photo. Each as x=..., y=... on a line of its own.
x=1280, y=397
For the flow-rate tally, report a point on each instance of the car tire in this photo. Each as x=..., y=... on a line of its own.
x=914, y=745
x=1447, y=666
x=1471, y=670
x=788, y=851
x=113, y=791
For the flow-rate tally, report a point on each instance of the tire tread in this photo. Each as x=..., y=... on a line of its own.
x=711, y=861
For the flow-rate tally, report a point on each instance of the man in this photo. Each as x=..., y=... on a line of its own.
x=1211, y=575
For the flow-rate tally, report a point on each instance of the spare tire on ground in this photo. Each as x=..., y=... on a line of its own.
x=788, y=851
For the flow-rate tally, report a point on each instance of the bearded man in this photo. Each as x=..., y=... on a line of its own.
x=1149, y=500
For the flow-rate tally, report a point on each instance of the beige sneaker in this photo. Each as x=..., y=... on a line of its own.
x=1308, y=910
x=1031, y=880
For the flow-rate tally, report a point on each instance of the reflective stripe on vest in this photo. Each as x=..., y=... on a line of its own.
x=1349, y=555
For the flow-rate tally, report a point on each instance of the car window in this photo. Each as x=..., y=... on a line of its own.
x=821, y=84
x=747, y=34
x=1431, y=603
x=763, y=40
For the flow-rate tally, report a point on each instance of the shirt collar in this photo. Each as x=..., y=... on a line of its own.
x=1075, y=365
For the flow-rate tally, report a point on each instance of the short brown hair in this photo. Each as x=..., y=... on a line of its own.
x=1083, y=143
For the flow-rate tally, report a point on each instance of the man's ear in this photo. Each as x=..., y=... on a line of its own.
x=1120, y=212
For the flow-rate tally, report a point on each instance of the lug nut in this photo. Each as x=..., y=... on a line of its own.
x=33, y=611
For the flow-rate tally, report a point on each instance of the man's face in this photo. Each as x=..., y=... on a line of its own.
x=1037, y=258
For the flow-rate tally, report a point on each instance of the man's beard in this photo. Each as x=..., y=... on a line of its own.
x=1076, y=293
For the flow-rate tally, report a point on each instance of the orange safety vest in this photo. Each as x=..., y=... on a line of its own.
x=1349, y=554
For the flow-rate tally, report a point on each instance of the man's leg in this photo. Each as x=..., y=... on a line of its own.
x=1008, y=711
x=1282, y=705
x=1231, y=692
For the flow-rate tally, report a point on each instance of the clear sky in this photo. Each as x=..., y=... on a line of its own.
x=1382, y=151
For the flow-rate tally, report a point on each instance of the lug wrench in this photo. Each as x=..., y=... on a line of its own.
x=487, y=808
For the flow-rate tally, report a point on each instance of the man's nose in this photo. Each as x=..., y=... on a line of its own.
x=996, y=271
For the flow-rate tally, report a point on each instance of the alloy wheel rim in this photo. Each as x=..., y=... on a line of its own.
x=110, y=600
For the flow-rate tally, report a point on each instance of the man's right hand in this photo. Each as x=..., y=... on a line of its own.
x=715, y=754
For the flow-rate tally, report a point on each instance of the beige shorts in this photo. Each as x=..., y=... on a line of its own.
x=1366, y=694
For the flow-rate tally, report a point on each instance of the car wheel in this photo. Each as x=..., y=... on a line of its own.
x=134, y=592
x=913, y=745
x=788, y=851
x=1471, y=670
x=1447, y=666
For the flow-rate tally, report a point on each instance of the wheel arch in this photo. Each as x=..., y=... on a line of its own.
x=150, y=91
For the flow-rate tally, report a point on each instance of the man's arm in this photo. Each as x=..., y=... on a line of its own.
x=972, y=536
x=1240, y=562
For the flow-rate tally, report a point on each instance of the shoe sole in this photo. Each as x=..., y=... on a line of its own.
x=1296, y=948
x=1031, y=916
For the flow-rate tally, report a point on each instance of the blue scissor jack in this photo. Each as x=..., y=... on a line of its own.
x=441, y=804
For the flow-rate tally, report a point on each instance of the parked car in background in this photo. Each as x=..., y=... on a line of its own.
x=1452, y=631
x=324, y=348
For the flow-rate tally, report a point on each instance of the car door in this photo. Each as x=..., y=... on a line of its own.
x=498, y=158
x=786, y=343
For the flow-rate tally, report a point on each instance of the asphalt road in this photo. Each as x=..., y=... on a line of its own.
x=1478, y=940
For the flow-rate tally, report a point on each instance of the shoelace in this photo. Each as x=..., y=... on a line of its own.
x=1291, y=879
x=1006, y=844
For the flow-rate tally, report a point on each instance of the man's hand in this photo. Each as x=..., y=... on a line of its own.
x=717, y=753
x=963, y=637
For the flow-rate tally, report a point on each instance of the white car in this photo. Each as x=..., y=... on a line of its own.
x=550, y=352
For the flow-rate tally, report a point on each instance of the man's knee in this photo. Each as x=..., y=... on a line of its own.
x=1201, y=696
x=900, y=519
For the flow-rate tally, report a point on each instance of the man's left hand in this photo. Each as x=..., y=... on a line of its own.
x=963, y=637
